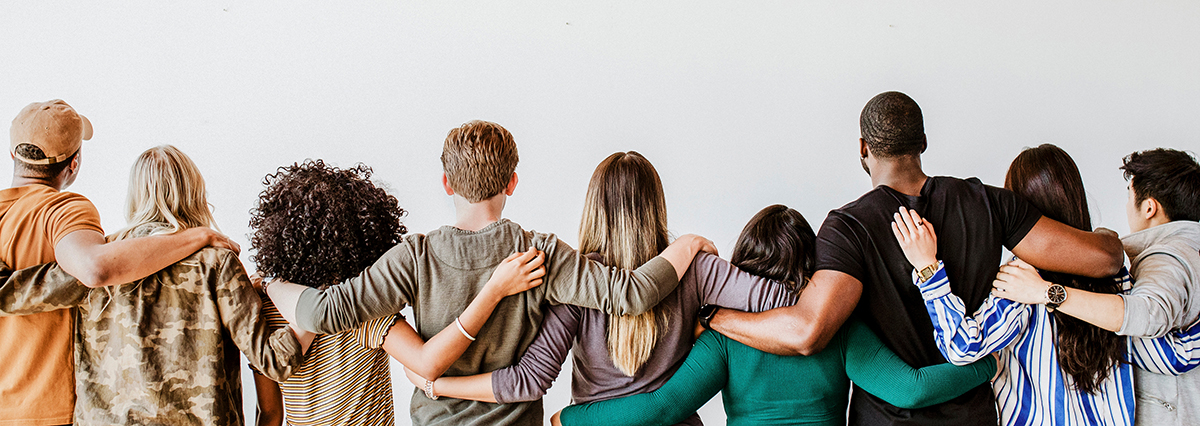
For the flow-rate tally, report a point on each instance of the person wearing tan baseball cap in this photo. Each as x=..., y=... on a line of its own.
x=41, y=223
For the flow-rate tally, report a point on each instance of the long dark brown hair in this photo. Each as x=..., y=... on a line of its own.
x=1048, y=178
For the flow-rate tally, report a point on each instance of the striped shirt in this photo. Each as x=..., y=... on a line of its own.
x=344, y=379
x=1030, y=387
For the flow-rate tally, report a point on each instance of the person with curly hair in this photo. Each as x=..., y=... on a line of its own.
x=319, y=224
x=437, y=273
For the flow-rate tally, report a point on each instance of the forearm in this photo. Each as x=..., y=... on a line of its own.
x=270, y=402
x=430, y=359
x=474, y=388
x=101, y=264
x=802, y=329
x=36, y=289
x=964, y=339
x=1106, y=311
x=1173, y=354
x=878, y=370
x=1053, y=246
x=702, y=375
x=681, y=252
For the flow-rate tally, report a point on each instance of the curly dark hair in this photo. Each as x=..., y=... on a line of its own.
x=319, y=225
x=892, y=125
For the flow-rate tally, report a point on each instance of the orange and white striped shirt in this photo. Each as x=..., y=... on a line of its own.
x=344, y=379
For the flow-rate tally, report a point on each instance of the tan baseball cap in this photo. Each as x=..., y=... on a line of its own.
x=53, y=126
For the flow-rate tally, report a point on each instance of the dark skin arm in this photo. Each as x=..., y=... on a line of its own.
x=270, y=402
x=802, y=329
x=1054, y=246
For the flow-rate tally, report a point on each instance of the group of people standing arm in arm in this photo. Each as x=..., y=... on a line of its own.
x=894, y=312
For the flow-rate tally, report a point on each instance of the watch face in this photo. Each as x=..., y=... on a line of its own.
x=1057, y=294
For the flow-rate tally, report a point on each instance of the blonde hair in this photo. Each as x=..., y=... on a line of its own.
x=479, y=159
x=625, y=221
x=165, y=186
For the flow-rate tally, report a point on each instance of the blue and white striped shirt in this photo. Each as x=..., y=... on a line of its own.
x=1030, y=387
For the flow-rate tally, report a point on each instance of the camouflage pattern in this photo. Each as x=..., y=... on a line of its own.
x=164, y=349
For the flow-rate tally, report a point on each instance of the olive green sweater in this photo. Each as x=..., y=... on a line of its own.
x=440, y=273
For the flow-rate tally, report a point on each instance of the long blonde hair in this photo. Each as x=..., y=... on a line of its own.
x=165, y=186
x=625, y=221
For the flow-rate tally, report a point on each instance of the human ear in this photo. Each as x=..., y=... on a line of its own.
x=446, y=185
x=512, y=185
x=862, y=148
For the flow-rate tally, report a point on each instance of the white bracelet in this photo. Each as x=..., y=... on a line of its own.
x=463, y=330
x=429, y=390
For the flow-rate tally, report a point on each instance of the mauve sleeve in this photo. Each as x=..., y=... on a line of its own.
x=529, y=379
x=722, y=284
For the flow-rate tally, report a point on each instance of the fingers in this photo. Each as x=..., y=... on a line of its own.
x=898, y=222
x=908, y=221
x=899, y=236
x=224, y=242
x=708, y=246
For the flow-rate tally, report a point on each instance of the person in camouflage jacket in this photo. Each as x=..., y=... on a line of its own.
x=162, y=350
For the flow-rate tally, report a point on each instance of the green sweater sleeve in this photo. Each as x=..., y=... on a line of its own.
x=702, y=375
x=36, y=289
x=876, y=369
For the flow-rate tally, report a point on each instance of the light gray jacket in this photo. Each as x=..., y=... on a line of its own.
x=1165, y=263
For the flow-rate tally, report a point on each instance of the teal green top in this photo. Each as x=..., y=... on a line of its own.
x=760, y=388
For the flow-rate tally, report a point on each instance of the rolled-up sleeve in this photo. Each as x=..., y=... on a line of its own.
x=1156, y=303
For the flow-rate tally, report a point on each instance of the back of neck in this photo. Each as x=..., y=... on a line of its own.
x=475, y=216
x=19, y=181
x=902, y=174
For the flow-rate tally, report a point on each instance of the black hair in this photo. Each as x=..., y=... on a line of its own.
x=1170, y=177
x=32, y=152
x=892, y=125
x=779, y=244
x=319, y=225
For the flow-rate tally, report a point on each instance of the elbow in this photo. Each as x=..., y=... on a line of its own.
x=806, y=342
x=424, y=370
x=95, y=277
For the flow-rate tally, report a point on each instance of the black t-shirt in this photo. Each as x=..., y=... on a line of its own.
x=972, y=222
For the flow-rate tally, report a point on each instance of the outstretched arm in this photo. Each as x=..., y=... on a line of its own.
x=40, y=288
x=962, y=339
x=577, y=280
x=529, y=378
x=876, y=369
x=702, y=375
x=802, y=329
x=1176, y=353
x=1053, y=246
x=85, y=255
x=1020, y=282
x=517, y=273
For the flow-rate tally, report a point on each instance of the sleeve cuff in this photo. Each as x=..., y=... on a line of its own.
x=937, y=286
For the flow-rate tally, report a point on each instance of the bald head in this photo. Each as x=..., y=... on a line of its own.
x=892, y=126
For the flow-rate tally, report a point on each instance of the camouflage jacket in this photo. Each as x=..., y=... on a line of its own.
x=164, y=349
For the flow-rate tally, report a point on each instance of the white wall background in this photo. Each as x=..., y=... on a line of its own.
x=738, y=104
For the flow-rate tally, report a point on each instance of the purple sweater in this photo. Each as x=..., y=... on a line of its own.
x=709, y=280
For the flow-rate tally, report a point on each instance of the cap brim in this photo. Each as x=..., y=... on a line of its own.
x=87, y=127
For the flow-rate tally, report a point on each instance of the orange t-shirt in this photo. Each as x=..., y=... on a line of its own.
x=37, y=372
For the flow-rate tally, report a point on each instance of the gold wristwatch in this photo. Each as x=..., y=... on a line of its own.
x=927, y=272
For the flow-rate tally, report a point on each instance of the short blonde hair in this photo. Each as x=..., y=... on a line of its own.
x=479, y=159
x=165, y=186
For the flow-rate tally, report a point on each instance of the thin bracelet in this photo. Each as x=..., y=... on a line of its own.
x=429, y=390
x=463, y=330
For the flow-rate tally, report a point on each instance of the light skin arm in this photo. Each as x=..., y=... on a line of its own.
x=270, y=402
x=802, y=329
x=1020, y=282
x=1053, y=246
x=85, y=255
x=517, y=273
